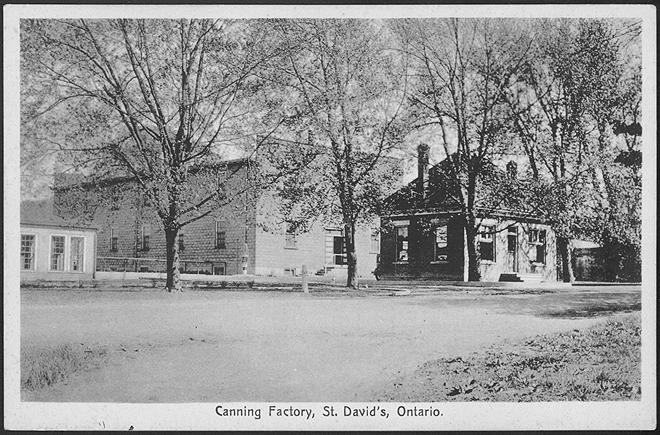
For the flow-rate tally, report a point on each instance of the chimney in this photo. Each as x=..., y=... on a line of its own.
x=422, y=169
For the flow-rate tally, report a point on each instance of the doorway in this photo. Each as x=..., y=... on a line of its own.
x=512, y=249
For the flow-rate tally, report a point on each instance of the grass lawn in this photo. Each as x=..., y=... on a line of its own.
x=601, y=363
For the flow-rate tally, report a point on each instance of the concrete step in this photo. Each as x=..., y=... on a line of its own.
x=520, y=277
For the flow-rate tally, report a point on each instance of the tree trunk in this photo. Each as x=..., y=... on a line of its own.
x=173, y=282
x=349, y=240
x=564, y=248
x=473, y=258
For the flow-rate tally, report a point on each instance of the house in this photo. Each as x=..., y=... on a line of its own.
x=423, y=236
x=244, y=236
x=53, y=248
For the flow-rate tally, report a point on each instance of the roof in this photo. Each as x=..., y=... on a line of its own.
x=41, y=213
x=493, y=199
x=77, y=180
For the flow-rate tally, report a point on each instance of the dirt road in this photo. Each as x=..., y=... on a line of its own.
x=252, y=346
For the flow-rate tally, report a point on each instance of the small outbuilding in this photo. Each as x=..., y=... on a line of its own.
x=53, y=248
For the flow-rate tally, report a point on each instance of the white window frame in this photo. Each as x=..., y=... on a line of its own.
x=435, y=244
x=397, y=226
x=34, y=252
x=50, y=253
x=288, y=235
x=84, y=253
x=491, y=229
x=374, y=232
x=536, y=243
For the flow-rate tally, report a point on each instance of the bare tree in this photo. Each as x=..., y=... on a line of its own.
x=463, y=70
x=347, y=89
x=159, y=101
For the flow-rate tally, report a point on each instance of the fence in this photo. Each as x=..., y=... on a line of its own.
x=126, y=264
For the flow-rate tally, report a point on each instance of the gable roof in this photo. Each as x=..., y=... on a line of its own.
x=41, y=213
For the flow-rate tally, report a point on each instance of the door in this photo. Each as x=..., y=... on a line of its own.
x=512, y=249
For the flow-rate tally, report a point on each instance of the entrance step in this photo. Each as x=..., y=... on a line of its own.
x=520, y=277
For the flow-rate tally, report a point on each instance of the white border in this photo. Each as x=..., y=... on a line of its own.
x=570, y=415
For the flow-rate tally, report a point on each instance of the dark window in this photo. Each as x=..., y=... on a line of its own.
x=537, y=241
x=57, y=253
x=401, y=243
x=487, y=243
x=220, y=236
x=290, y=236
x=27, y=252
x=440, y=245
x=339, y=250
x=182, y=245
x=146, y=234
x=113, y=241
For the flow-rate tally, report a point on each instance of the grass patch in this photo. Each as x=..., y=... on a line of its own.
x=42, y=368
x=597, y=364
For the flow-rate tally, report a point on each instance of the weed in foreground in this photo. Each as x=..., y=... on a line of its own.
x=44, y=367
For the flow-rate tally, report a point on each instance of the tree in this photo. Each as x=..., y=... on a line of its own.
x=158, y=101
x=346, y=88
x=463, y=69
x=563, y=111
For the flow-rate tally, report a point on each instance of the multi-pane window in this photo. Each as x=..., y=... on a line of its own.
x=27, y=252
x=220, y=236
x=57, y=253
x=113, y=241
x=77, y=254
x=182, y=245
x=146, y=235
x=290, y=240
x=537, y=240
x=401, y=244
x=375, y=241
x=440, y=245
x=487, y=242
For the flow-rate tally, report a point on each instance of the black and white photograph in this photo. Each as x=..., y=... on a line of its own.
x=329, y=217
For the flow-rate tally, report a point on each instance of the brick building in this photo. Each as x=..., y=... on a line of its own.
x=423, y=235
x=243, y=236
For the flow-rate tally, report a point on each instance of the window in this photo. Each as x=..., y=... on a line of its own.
x=220, y=236
x=290, y=237
x=57, y=253
x=27, y=252
x=537, y=241
x=182, y=245
x=440, y=245
x=77, y=254
x=113, y=241
x=219, y=269
x=487, y=243
x=375, y=241
x=146, y=234
x=339, y=250
x=401, y=243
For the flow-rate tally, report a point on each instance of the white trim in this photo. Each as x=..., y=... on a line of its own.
x=34, y=253
x=84, y=253
x=401, y=223
x=50, y=253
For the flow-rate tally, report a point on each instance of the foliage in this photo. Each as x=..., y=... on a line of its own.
x=343, y=87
